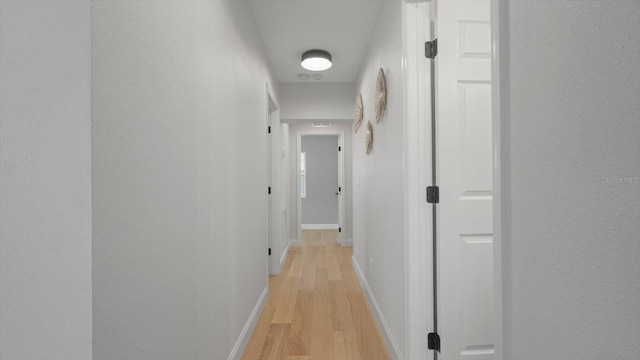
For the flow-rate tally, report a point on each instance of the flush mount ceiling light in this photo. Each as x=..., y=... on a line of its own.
x=316, y=60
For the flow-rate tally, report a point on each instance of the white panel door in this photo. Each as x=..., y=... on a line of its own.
x=465, y=178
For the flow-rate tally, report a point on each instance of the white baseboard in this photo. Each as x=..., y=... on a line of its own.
x=319, y=226
x=247, y=331
x=283, y=258
x=391, y=342
x=347, y=242
x=295, y=243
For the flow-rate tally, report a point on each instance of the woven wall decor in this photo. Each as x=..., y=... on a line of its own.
x=368, y=140
x=357, y=119
x=381, y=96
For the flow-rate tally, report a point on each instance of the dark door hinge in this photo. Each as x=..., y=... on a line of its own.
x=433, y=194
x=433, y=341
x=339, y=229
x=431, y=49
x=269, y=251
x=269, y=129
x=269, y=190
x=339, y=188
x=339, y=148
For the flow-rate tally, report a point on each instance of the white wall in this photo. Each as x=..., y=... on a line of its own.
x=180, y=201
x=574, y=117
x=313, y=101
x=378, y=178
x=45, y=180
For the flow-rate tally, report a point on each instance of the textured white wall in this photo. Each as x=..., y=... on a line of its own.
x=378, y=204
x=45, y=180
x=179, y=139
x=574, y=82
x=312, y=101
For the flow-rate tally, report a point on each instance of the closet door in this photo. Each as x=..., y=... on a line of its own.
x=465, y=168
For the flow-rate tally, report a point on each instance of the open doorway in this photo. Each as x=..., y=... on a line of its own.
x=320, y=190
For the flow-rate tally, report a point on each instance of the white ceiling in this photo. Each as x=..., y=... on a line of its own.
x=290, y=27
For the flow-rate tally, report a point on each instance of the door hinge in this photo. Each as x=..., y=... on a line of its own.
x=269, y=251
x=269, y=190
x=339, y=188
x=431, y=49
x=433, y=194
x=339, y=148
x=433, y=341
x=268, y=129
x=339, y=229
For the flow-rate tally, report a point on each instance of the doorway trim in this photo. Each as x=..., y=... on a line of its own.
x=501, y=176
x=417, y=154
x=341, y=180
x=273, y=260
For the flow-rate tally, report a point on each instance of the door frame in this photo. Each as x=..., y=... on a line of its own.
x=417, y=153
x=501, y=176
x=273, y=262
x=341, y=180
x=418, y=280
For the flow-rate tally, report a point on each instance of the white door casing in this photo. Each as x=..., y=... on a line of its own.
x=417, y=149
x=465, y=177
x=341, y=185
x=273, y=223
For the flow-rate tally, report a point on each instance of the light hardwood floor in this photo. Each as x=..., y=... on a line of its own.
x=319, y=237
x=316, y=310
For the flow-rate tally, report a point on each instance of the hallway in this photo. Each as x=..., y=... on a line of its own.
x=150, y=180
x=316, y=308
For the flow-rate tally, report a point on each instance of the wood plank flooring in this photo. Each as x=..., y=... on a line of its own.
x=319, y=237
x=316, y=309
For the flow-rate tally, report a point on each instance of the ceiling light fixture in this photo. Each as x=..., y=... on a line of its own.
x=316, y=60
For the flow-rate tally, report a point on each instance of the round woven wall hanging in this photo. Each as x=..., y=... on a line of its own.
x=381, y=96
x=357, y=119
x=368, y=140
